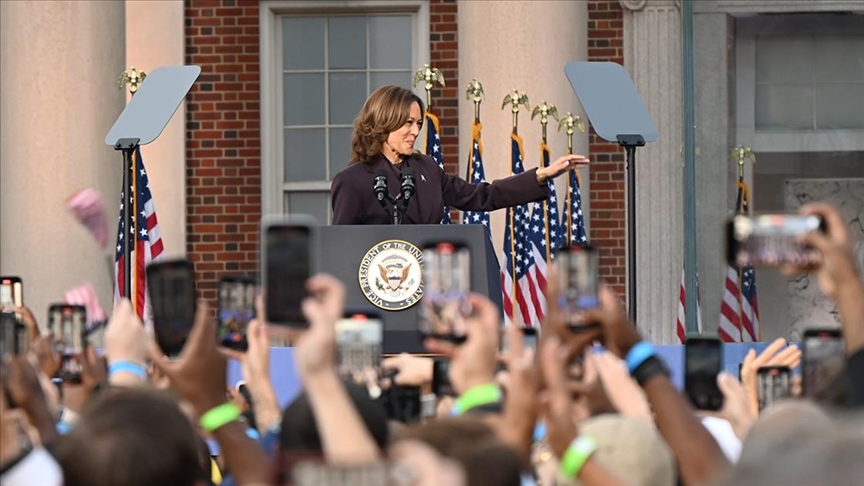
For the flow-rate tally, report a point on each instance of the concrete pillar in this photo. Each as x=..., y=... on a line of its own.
x=520, y=45
x=58, y=90
x=716, y=175
x=155, y=38
x=652, y=56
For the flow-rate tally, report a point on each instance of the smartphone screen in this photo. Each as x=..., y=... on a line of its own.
x=287, y=266
x=11, y=291
x=578, y=270
x=13, y=335
x=68, y=323
x=773, y=383
x=703, y=360
x=441, y=385
x=359, y=341
x=171, y=285
x=824, y=359
x=447, y=285
x=771, y=239
x=236, y=309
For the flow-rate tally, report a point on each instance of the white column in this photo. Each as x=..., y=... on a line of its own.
x=155, y=38
x=519, y=45
x=61, y=62
x=652, y=54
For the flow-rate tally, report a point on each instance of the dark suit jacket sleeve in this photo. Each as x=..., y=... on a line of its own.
x=346, y=201
x=511, y=191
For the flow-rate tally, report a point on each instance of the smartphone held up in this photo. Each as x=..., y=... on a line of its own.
x=236, y=309
x=578, y=270
x=68, y=323
x=288, y=260
x=171, y=286
x=447, y=286
x=771, y=240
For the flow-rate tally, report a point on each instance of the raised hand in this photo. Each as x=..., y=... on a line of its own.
x=315, y=350
x=561, y=165
x=474, y=362
x=198, y=374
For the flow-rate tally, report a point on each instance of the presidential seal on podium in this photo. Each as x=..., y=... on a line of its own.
x=391, y=275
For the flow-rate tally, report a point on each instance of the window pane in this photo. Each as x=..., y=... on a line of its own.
x=840, y=59
x=302, y=43
x=840, y=106
x=316, y=204
x=403, y=79
x=784, y=106
x=303, y=98
x=340, y=149
x=390, y=42
x=304, y=154
x=784, y=59
x=347, y=94
x=347, y=42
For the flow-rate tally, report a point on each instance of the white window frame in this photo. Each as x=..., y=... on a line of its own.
x=745, y=58
x=273, y=185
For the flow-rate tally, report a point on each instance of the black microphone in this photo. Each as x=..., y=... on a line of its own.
x=380, y=187
x=409, y=187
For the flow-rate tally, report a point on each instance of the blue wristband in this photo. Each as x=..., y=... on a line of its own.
x=638, y=354
x=128, y=367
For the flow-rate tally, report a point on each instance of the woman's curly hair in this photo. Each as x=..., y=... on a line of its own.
x=384, y=111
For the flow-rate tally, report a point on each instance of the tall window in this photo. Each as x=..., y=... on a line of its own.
x=327, y=65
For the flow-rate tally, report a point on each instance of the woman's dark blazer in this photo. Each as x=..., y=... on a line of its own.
x=354, y=201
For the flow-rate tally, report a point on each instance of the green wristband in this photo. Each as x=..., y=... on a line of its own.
x=476, y=397
x=219, y=416
x=577, y=455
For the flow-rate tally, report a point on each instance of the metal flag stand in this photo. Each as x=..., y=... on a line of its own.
x=141, y=122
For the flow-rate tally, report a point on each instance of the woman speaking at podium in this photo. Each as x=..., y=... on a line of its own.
x=383, y=164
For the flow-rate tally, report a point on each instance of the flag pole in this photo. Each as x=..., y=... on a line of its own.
x=133, y=78
x=569, y=121
x=545, y=110
x=514, y=99
x=474, y=93
x=741, y=154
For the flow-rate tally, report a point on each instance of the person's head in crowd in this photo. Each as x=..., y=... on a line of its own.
x=300, y=434
x=473, y=443
x=389, y=122
x=132, y=436
x=631, y=448
x=783, y=424
x=802, y=453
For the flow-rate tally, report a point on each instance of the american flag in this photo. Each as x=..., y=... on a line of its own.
x=476, y=175
x=545, y=234
x=522, y=298
x=682, y=309
x=573, y=218
x=144, y=227
x=739, y=312
x=433, y=149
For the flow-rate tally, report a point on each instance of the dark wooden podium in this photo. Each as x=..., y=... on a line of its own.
x=343, y=248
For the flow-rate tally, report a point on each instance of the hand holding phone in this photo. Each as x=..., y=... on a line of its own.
x=824, y=359
x=171, y=286
x=11, y=291
x=578, y=270
x=68, y=323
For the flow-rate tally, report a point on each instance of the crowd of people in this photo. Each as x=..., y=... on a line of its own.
x=570, y=412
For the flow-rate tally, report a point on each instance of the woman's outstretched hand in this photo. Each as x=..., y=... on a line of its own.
x=560, y=166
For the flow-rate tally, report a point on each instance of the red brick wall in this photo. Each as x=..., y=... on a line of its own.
x=223, y=133
x=608, y=199
x=223, y=141
x=443, y=51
